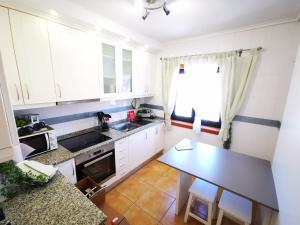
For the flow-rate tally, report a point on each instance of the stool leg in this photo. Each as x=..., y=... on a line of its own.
x=221, y=212
x=188, y=208
x=214, y=210
x=210, y=211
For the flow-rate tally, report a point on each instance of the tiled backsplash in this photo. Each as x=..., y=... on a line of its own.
x=59, y=117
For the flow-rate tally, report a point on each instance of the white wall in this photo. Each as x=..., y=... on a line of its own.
x=268, y=89
x=286, y=162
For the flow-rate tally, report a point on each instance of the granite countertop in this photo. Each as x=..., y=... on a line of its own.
x=60, y=202
x=57, y=203
x=62, y=154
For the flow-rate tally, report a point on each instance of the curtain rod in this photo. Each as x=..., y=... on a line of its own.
x=238, y=51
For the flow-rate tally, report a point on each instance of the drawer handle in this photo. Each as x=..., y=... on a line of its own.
x=122, y=158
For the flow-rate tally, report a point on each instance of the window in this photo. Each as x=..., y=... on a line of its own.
x=198, y=93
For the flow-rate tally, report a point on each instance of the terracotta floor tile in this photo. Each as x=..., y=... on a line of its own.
x=173, y=172
x=155, y=202
x=133, y=188
x=156, y=165
x=150, y=175
x=118, y=201
x=167, y=184
x=137, y=216
x=171, y=219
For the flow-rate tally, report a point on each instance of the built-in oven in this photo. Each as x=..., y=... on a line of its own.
x=99, y=164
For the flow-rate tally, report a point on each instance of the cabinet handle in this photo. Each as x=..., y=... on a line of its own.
x=59, y=89
x=18, y=95
x=27, y=91
x=73, y=170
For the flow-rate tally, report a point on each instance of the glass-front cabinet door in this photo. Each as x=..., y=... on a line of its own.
x=109, y=69
x=126, y=71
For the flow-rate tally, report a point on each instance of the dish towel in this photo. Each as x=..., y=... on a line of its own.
x=36, y=168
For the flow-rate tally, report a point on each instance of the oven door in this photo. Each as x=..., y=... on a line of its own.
x=39, y=142
x=100, y=168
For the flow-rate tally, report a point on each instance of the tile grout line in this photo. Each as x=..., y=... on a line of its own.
x=153, y=187
x=167, y=210
x=134, y=203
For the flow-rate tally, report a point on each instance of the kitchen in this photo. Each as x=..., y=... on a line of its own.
x=95, y=101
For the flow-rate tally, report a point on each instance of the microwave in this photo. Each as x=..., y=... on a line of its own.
x=39, y=142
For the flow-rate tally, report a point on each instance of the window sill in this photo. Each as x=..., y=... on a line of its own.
x=206, y=129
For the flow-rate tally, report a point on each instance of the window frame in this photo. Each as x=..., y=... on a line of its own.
x=187, y=122
x=207, y=123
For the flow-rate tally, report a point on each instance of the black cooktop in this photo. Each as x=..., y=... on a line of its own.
x=79, y=142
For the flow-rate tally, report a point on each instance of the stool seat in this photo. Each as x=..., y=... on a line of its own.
x=236, y=206
x=204, y=190
x=207, y=194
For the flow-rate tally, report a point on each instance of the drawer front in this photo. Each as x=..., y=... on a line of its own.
x=122, y=150
x=122, y=163
x=121, y=142
x=122, y=157
x=123, y=172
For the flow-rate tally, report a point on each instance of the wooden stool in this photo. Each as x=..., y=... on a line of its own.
x=235, y=206
x=207, y=194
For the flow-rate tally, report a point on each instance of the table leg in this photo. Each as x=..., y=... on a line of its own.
x=184, y=182
x=267, y=216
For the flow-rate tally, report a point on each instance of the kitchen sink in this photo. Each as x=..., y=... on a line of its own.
x=142, y=122
x=127, y=126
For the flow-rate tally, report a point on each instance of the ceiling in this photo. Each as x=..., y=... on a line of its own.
x=192, y=17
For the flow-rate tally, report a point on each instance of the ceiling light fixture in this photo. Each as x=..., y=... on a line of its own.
x=154, y=5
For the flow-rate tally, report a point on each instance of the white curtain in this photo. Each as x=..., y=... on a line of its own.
x=235, y=71
x=236, y=75
x=169, y=67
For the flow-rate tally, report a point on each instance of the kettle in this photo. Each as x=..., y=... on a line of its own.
x=103, y=118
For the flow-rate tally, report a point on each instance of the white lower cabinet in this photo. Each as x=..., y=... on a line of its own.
x=158, y=137
x=68, y=169
x=145, y=144
x=122, y=157
x=138, y=149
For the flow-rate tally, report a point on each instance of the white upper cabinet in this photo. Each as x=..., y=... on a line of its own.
x=5, y=141
x=31, y=44
x=117, y=71
x=7, y=124
x=9, y=60
x=143, y=72
x=126, y=80
x=75, y=57
x=109, y=67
